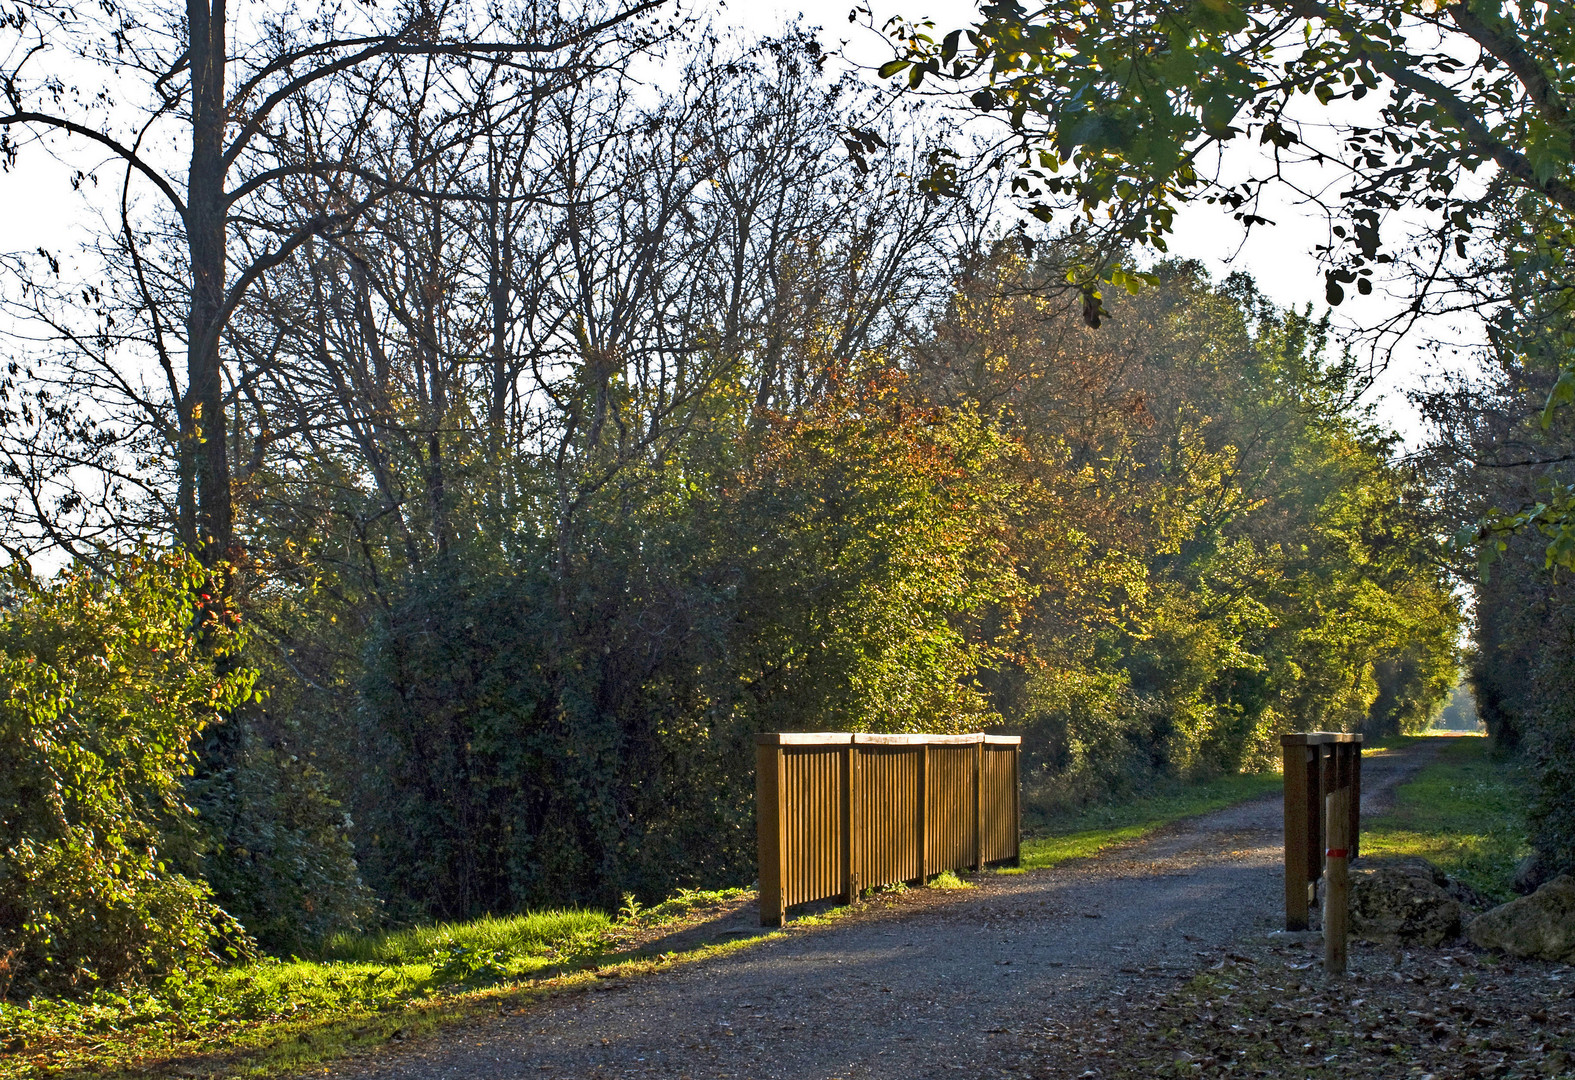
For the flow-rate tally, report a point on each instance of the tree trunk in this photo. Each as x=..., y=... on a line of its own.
x=206, y=515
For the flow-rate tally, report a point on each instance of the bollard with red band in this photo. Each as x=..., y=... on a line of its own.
x=1337, y=834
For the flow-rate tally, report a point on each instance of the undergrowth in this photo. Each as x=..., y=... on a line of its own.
x=521, y=935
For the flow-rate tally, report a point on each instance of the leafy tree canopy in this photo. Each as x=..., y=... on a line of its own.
x=1117, y=108
x=1430, y=117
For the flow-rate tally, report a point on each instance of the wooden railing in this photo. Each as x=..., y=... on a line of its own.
x=838, y=813
x=1317, y=763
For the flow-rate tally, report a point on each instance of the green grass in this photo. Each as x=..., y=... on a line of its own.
x=524, y=935
x=947, y=879
x=1464, y=813
x=277, y=1016
x=1094, y=829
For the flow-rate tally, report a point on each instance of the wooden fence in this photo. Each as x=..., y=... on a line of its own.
x=1316, y=764
x=838, y=813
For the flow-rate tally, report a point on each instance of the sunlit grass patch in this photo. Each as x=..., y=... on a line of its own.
x=686, y=900
x=512, y=934
x=948, y=879
x=1464, y=813
x=1049, y=850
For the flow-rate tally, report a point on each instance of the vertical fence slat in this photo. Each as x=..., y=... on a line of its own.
x=850, y=824
x=1314, y=812
x=921, y=817
x=978, y=806
x=1355, y=805
x=1016, y=805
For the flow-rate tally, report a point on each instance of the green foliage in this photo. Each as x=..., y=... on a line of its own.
x=529, y=745
x=1524, y=676
x=1218, y=545
x=1493, y=450
x=570, y=730
x=274, y=838
x=108, y=679
x=878, y=558
x=1533, y=335
x=1119, y=109
x=1119, y=112
x=949, y=880
x=1145, y=591
x=456, y=963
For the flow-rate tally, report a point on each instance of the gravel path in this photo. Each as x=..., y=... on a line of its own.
x=931, y=984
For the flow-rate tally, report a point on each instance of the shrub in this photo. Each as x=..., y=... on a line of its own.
x=105, y=679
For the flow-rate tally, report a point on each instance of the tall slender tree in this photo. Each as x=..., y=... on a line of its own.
x=193, y=107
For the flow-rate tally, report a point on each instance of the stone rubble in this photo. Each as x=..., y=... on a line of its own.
x=1540, y=926
x=1408, y=902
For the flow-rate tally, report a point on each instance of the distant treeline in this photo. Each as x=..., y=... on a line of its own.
x=695, y=418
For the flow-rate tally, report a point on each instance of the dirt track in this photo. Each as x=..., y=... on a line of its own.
x=935, y=984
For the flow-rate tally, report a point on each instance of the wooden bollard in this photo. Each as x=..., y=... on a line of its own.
x=1337, y=881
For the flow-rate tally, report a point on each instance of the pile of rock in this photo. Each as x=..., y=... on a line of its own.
x=1541, y=925
x=1409, y=902
x=1412, y=902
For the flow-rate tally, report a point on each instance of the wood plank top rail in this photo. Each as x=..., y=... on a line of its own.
x=844, y=738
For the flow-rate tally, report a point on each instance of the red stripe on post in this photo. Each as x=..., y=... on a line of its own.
x=1335, y=853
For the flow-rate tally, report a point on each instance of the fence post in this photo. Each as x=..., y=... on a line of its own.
x=1355, y=816
x=851, y=825
x=1297, y=870
x=1317, y=788
x=1017, y=807
x=978, y=805
x=1336, y=893
x=923, y=801
x=769, y=821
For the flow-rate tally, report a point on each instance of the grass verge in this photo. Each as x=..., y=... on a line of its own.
x=1464, y=812
x=1103, y=826
x=281, y=1016
x=528, y=935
